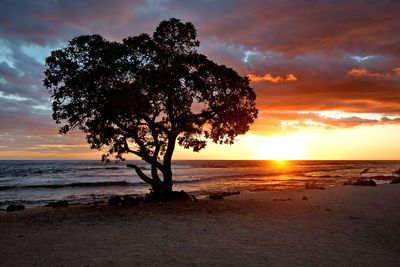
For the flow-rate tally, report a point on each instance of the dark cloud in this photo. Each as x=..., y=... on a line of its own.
x=300, y=27
x=43, y=22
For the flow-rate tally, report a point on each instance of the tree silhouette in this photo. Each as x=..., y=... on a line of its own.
x=146, y=94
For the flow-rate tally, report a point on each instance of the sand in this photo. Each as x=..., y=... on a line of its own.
x=340, y=226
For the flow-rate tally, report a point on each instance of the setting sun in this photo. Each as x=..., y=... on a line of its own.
x=281, y=147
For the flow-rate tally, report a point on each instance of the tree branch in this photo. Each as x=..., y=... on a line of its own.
x=127, y=148
x=205, y=114
x=151, y=161
x=152, y=123
x=143, y=151
x=136, y=137
x=140, y=173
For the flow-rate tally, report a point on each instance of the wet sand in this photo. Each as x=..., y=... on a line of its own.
x=339, y=226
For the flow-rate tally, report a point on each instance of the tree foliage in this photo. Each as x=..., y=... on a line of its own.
x=147, y=93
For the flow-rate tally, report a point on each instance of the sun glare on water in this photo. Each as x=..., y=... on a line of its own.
x=280, y=148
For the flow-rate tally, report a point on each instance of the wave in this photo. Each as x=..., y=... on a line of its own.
x=187, y=180
x=323, y=176
x=90, y=184
x=100, y=168
x=56, y=171
x=2, y=188
x=28, y=172
x=148, y=168
x=180, y=167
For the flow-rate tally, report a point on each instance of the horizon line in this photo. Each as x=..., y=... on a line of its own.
x=206, y=160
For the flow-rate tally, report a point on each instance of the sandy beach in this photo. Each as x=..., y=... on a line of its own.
x=339, y=226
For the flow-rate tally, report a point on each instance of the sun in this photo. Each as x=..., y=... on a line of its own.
x=281, y=147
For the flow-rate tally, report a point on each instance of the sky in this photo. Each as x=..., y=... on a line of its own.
x=326, y=73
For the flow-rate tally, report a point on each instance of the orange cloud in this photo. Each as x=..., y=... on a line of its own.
x=291, y=78
x=397, y=70
x=365, y=72
x=269, y=78
x=280, y=122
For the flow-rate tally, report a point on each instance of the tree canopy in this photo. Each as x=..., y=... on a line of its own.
x=147, y=93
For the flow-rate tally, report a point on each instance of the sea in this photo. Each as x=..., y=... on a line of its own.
x=35, y=183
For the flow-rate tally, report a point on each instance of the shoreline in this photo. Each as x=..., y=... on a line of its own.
x=103, y=199
x=204, y=195
x=97, y=199
x=343, y=225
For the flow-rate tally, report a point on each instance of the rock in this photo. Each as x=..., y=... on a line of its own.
x=260, y=189
x=96, y=203
x=395, y=180
x=216, y=196
x=174, y=195
x=130, y=200
x=361, y=182
x=229, y=193
x=182, y=195
x=194, y=198
x=14, y=207
x=116, y=200
x=304, y=198
x=221, y=195
x=58, y=204
x=371, y=183
x=282, y=199
x=313, y=186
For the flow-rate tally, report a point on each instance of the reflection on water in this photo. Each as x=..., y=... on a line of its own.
x=38, y=182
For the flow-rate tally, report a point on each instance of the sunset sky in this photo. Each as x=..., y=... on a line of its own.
x=326, y=73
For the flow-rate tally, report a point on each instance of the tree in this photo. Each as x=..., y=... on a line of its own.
x=146, y=94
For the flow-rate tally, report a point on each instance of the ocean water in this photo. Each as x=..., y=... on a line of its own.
x=35, y=183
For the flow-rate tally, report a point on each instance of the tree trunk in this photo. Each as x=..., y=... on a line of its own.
x=167, y=162
x=161, y=189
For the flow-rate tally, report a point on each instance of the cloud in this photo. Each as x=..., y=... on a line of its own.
x=268, y=77
x=298, y=28
x=297, y=54
x=44, y=22
x=365, y=72
x=277, y=122
x=397, y=71
x=291, y=78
